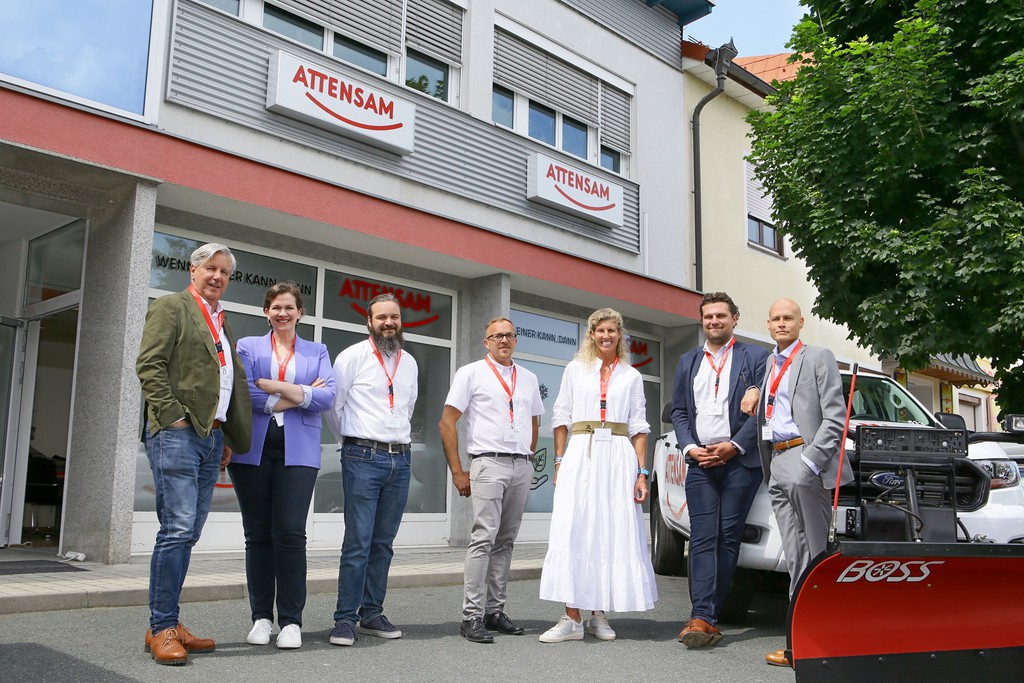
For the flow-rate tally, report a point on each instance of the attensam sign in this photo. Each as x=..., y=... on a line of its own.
x=306, y=91
x=573, y=190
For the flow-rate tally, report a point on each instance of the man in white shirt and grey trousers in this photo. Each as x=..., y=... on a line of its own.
x=502, y=405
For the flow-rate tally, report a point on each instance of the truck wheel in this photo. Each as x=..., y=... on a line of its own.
x=667, y=547
x=741, y=594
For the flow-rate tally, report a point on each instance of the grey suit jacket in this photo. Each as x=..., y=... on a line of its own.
x=816, y=392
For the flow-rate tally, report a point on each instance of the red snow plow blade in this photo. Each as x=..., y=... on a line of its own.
x=902, y=611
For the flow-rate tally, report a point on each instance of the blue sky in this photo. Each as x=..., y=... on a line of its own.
x=758, y=27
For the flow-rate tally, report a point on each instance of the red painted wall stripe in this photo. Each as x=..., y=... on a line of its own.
x=136, y=149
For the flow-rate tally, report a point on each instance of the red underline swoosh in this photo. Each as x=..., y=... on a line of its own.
x=582, y=205
x=416, y=323
x=356, y=124
x=643, y=363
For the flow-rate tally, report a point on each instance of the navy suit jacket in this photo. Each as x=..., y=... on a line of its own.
x=748, y=364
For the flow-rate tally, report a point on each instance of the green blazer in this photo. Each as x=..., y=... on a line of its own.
x=180, y=372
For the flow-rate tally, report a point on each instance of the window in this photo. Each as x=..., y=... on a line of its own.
x=360, y=55
x=574, y=137
x=293, y=26
x=426, y=74
x=764, y=235
x=611, y=160
x=542, y=123
x=503, y=106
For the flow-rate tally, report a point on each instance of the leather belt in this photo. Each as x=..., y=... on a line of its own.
x=216, y=424
x=491, y=454
x=588, y=427
x=392, y=448
x=780, y=446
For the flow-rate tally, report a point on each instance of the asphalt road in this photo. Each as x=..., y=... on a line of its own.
x=105, y=644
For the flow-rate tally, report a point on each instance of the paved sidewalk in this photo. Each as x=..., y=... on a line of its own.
x=222, y=577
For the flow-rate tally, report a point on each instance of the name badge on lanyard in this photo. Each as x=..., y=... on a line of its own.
x=225, y=377
x=393, y=422
x=603, y=434
x=766, y=432
x=511, y=433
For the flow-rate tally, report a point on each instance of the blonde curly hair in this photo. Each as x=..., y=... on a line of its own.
x=588, y=350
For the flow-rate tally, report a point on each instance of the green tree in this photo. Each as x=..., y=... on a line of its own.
x=896, y=162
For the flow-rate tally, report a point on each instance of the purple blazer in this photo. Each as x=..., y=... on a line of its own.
x=301, y=426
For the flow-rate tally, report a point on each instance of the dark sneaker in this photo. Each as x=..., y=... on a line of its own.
x=474, y=631
x=344, y=633
x=379, y=626
x=499, y=621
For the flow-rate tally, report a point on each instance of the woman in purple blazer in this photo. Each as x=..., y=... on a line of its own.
x=291, y=381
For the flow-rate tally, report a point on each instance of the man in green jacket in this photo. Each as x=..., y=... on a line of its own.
x=197, y=412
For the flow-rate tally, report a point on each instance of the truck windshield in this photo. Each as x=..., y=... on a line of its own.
x=878, y=399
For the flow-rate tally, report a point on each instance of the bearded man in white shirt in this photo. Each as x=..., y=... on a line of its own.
x=371, y=418
x=502, y=404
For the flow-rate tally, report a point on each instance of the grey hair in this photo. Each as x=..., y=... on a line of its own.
x=208, y=251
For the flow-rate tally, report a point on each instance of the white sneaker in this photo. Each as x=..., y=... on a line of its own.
x=290, y=637
x=260, y=633
x=597, y=625
x=565, y=629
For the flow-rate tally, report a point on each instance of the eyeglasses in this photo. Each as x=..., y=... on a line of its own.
x=511, y=336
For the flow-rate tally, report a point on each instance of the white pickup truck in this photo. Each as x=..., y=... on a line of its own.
x=877, y=401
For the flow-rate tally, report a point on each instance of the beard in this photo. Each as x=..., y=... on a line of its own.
x=388, y=345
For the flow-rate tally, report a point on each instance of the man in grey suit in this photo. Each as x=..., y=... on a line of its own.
x=800, y=414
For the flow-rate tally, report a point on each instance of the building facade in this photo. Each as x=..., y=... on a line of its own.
x=475, y=158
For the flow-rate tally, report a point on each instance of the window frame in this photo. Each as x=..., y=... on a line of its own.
x=324, y=30
x=777, y=249
x=451, y=88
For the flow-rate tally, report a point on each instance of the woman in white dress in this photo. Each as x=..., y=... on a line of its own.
x=597, y=555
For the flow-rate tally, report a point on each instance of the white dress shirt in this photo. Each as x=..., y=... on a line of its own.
x=361, y=407
x=711, y=424
x=479, y=396
x=227, y=372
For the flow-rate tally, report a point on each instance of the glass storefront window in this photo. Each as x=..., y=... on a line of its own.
x=423, y=312
x=542, y=488
x=55, y=263
x=429, y=471
x=249, y=282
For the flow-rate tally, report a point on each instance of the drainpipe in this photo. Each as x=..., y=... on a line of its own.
x=723, y=57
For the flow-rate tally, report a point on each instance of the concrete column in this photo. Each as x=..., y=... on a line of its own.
x=100, y=477
x=479, y=301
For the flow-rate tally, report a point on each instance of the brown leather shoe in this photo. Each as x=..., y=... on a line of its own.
x=699, y=633
x=166, y=649
x=777, y=658
x=188, y=641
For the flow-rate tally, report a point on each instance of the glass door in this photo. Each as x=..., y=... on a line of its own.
x=8, y=384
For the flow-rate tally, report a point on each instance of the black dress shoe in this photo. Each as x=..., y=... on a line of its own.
x=473, y=630
x=499, y=621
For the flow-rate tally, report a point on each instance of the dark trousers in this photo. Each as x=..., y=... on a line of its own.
x=718, y=500
x=274, y=501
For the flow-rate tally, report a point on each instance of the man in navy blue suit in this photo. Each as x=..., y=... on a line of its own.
x=723, y=467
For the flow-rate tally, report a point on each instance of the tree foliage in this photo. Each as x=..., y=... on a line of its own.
x=896, y=162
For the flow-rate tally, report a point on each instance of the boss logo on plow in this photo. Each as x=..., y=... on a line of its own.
x=890, y=571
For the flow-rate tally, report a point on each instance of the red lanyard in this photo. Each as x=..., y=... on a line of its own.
x=209, y=323
x=718, y=370
x=282, y=365
x=504, y=385
x=770, y=405
x=391, y=377
x=604, y=390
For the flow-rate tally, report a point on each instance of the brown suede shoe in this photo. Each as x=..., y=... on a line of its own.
x=187, y=640
x=699, y=633
x=777, y=658
x=166, y=649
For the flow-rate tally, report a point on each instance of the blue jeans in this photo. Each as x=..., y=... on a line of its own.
x=376, y=486
x=718, y=500
x=185, y=468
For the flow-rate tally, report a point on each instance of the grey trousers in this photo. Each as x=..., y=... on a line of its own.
x=803, y=509
x=500, y=487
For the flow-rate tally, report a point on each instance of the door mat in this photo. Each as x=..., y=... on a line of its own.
x=37, y=567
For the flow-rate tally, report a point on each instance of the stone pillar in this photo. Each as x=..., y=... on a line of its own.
x=479, y=301
x=100, y=476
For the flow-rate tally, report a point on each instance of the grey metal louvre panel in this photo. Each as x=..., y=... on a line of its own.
x=376, y=22
x=655, y=30
x=218, y=66
x=759, y=205
x=614, y=117
x=435, y=25
x=533, y=72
